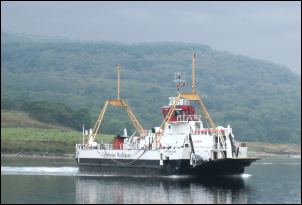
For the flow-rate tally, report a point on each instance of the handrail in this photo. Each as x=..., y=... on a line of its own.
x=207, y=131
x=185, y=118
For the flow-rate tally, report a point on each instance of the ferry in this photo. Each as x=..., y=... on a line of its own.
x=187, y=142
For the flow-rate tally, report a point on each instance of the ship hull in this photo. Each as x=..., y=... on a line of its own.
x=223, y=166
x=171, y=167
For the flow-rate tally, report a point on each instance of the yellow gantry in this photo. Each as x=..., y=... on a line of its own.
x=193, y=73
x=192, y=96
x=195, y=97
x=118, y=81
x=116, y=103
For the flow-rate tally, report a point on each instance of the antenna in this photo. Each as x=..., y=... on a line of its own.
x=118, y=81
x=193, y=73
x=180, y=81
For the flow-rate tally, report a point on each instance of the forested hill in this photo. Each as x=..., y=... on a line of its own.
x=261, y=100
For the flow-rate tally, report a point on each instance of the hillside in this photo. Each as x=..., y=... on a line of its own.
x=23, y=120
x=22, y=134
x=261, y=100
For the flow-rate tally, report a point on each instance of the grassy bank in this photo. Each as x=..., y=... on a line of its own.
x=281, y=149
x=42, y=141
x=22, y=134
x=58, y=142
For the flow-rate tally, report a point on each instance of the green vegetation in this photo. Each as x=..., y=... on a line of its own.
x=42, y=141
x=58, y=113
x=34, y=140
x=20, y=133
x=20, y=119
x=274, y=148
x=62, y=80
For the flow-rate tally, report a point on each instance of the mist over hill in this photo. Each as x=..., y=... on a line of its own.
x=261, y=100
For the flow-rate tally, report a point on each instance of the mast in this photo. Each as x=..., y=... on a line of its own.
x=118, y=81
x=193, y=73
x=192, y=96
x=115, y=103
x=83, y=132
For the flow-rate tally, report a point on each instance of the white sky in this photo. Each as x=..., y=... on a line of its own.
x=264, y=30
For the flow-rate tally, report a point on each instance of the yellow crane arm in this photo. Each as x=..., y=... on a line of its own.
x=195, y=97
x=98, y=123
x=115, y=103
x=167, y=118
x=134, y=120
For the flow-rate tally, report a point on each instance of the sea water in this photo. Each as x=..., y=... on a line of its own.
x=27, y=180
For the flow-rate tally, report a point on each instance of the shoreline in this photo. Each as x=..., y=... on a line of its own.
x=270, y=154
x=71, y=156
x=38, y=156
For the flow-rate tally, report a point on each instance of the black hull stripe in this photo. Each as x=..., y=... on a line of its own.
x=153, y=167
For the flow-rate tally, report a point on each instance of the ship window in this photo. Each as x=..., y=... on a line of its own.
x=197, y=125
x=177, y=112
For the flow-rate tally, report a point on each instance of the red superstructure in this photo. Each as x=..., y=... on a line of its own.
x=118, y=142
x=182, y=110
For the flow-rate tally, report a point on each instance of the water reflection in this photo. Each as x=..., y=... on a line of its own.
x=120, y=190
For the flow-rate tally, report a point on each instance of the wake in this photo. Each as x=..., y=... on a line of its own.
x=58, y=171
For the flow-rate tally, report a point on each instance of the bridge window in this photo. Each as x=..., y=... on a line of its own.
x=197, y=125
x=177, y=112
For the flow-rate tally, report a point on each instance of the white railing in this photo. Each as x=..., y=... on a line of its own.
x=89, y=147
x=186, y=118
x=180, y=102
x=80, y=146
x=208, y=131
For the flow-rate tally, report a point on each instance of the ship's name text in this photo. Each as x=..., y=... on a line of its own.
x=115, y=155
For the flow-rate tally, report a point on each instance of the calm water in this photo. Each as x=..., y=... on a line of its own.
x=270, y=180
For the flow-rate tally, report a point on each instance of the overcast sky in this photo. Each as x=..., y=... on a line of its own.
x=264, y=30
